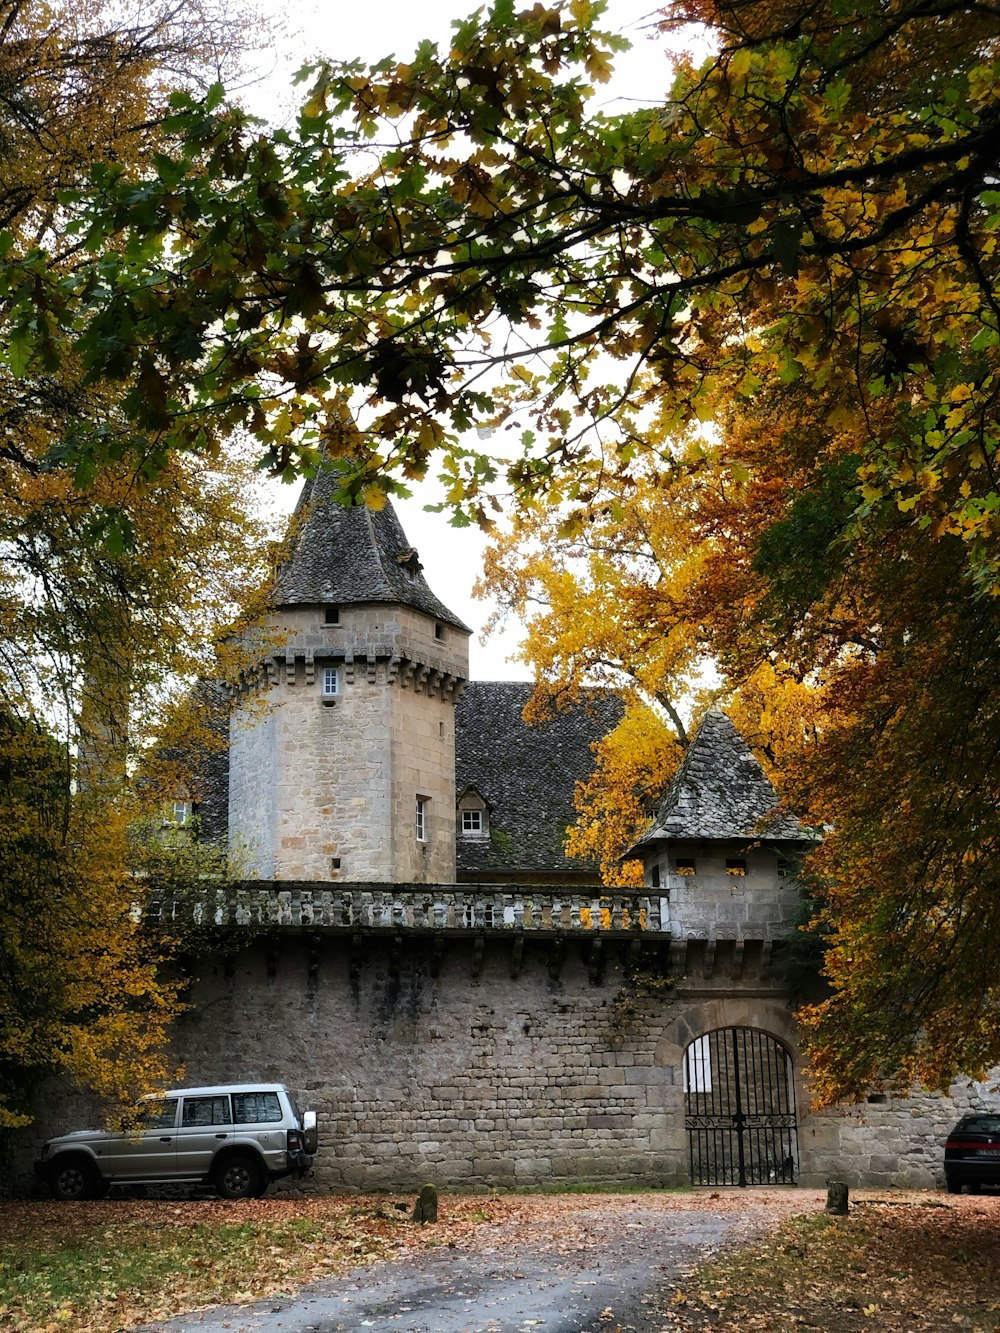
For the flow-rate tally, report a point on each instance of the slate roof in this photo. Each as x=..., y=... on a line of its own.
x=526, y=775
x=342, y=555
x=720, y=791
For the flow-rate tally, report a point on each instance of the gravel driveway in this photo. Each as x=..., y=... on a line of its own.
x=568, y=1264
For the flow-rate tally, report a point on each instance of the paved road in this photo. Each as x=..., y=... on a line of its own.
x=528, y=1284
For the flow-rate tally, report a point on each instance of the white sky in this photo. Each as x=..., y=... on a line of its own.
x=347, y=29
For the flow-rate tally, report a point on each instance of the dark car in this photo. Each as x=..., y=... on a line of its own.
x=972, y=1154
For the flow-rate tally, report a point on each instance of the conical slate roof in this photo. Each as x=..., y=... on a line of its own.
x=720, y=791
x=342, y=555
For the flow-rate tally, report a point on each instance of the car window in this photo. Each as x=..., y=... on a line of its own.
x=206, y=1111
x=159, y=1114
x=983, y=1124
x=256, y=1108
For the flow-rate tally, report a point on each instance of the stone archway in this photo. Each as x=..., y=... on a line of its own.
x=739, y=1109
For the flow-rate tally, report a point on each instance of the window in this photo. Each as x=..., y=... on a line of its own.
x=439, y=631
x=331, y=615
x=180, y=812
x=698, y=1066
x=200, y=1111
x=256, y=1108
x=735, y=865
x=159, y=1114
x=473, y=821
x=421, y=818
x=654, y=877
x=684, y=865
x=981, y=1124
x=331, y=682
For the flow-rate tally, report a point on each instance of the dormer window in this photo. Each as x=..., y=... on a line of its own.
x=331, y=615
x=473, y=818
x=331, y=684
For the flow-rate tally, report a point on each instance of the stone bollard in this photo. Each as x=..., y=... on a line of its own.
x=426, y=1207
x=836, y=1198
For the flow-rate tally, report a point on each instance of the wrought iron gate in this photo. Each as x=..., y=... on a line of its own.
x=739, y=1109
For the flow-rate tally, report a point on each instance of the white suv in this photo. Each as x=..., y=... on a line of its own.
x=236, y=1137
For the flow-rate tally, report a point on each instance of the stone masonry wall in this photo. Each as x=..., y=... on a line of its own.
x=326, y=789
x=477, y=1081
x=464, y=1081
x=423, y=764
x=713, y=904
x=252, y=792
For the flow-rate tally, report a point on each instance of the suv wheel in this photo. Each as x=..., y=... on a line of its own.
x=239, y=1178
x=77, y=1178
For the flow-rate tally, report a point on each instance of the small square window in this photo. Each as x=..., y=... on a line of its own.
x=736, y=866
x=421, y=818
x=331, y=682
x=472, y=821
x=684, y=865
x=331, y=615
x=180, y=812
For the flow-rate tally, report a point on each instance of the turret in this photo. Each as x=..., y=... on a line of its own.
x=721, y=848
x=343, y=738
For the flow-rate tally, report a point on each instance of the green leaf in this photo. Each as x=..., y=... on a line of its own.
x=20, y=349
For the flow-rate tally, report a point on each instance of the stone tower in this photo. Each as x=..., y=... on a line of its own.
x=342, y=742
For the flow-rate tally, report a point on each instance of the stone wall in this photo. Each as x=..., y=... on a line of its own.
x=709, y=902
x=461, y=1080
x=475, y=1078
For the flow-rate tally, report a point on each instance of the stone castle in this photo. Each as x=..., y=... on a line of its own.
x=416, y=957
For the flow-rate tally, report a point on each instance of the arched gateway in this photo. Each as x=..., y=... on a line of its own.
x=739, y=1109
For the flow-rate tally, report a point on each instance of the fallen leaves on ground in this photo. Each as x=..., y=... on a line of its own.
x=113, y=1264
x=898, y=1261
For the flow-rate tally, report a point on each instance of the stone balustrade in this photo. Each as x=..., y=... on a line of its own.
x=542, y=910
